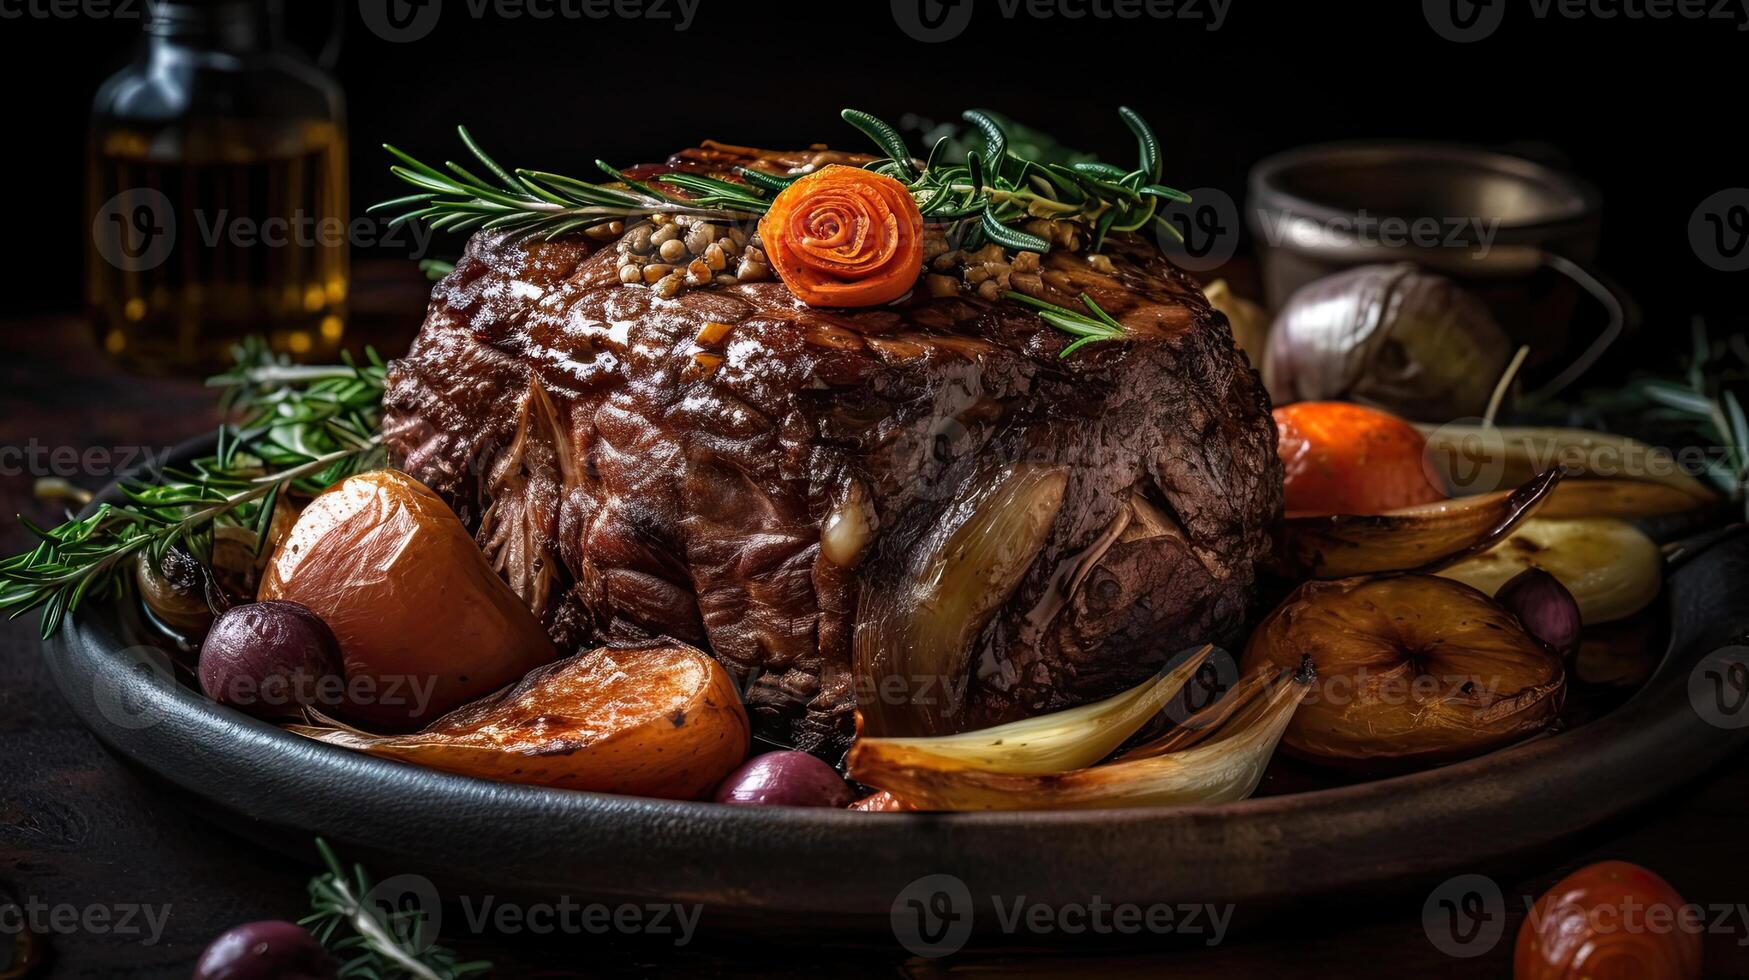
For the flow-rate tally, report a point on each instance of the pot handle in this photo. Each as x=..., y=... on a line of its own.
x=1616, y=305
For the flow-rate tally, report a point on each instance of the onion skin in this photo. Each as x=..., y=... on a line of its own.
x=1545, y=607
x=1391, y=336
x=1609, y=921
x=1417, y=670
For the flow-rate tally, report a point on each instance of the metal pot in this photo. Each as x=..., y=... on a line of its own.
x=1520, y=234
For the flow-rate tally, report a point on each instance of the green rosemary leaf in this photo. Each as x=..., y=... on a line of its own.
x=1090, y=329
x=636, y=185
x=1148, y=146
x=1677, y=397
x=936, y=154
x=1739, y=431
x=886, y=137
x=510, y=183
x=1012, y=239
x=1100, y=228
x=1169, y=193
x=770, y=182
x=995, y=140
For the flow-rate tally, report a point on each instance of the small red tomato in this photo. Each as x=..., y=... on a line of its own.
x=1342, y=458
x=1610, y=921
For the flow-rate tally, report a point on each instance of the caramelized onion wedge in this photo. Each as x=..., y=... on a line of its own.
x=1620, y=498
x=1423, y=538
x=915, y=629
x=1224, y=769
x=1057, y=742
x=1231, y=713
x=1414, y=670
x=658, y=719
x=1610, y=566
x=1511, y=454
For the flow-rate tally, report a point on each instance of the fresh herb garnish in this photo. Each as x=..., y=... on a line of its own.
x=982, y=196
x=380, y=944
x=1091, y=329
x=298, y=428
x=1699, y=405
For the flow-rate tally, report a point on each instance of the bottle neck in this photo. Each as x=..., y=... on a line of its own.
x=233, y=26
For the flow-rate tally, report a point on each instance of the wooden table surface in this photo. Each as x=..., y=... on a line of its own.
x=80, y=831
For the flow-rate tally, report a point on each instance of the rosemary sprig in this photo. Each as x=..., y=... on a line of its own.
x=380, y=945
x=538, y=203
x=982, y=198
x=298, y=428
x=1699, y=406
x=1090, y=329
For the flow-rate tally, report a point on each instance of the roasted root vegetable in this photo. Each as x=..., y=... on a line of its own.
x=1056, y=742
x=1224, y=768
x=1610, y=920
x=424, y=623
x=1340, y=458
x=1421, y=538
x=1612, y=569
x=1414, y=670
x=658, y=719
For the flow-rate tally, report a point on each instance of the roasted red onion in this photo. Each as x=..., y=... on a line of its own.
x=1390, y=336
x=785, y=779
x=1545, y=607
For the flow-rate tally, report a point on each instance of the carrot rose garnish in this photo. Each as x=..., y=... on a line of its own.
x=845, y=237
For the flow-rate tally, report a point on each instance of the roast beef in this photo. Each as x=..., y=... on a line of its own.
x=630, y=479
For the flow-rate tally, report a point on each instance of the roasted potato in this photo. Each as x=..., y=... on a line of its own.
x=657, y=719
x=424, y=623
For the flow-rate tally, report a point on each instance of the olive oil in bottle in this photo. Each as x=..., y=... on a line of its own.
x=217, y=194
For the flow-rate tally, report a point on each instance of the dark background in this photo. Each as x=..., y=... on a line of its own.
x=1647, y=110
x=1643, y=108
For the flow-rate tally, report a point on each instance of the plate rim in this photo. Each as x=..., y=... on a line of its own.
x=1269, y=849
